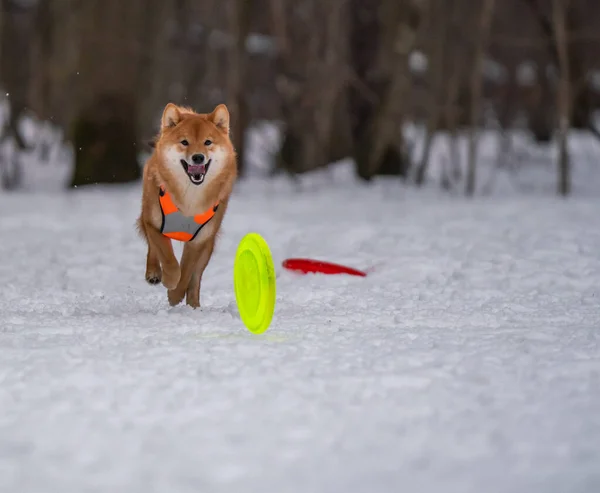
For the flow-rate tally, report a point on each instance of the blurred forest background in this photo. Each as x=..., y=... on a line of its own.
x=341, y=78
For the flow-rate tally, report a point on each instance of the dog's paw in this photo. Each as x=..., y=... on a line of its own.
x=153, y=278
x=171, y=276
x=174, y=297
x=194, y=303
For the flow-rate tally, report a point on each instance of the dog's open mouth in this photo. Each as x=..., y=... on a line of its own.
x=196, y=172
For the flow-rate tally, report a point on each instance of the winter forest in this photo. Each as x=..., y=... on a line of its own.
x=435, y=162
x=338, y=79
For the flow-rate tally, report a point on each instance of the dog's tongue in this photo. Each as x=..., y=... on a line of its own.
x=196, y=169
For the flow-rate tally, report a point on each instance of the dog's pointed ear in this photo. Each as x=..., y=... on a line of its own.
x=220, y=117
x=171, y=116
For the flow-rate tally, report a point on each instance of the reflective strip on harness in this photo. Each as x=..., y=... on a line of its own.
x=177, y=226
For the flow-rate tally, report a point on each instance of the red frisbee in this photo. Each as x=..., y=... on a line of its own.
x=306, y=265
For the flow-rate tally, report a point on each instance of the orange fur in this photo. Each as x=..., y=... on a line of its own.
x=180, y=124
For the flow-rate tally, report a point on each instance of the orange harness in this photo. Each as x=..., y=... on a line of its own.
x=177, y=226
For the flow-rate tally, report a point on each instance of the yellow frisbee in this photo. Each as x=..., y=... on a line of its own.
x=254, y=283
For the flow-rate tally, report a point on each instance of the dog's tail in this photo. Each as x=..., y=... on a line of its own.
x=139, y=226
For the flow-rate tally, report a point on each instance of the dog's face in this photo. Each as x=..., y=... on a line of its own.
x=195, y=148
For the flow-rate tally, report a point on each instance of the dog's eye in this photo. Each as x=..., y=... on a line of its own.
x=207, y=142
x=185, y=143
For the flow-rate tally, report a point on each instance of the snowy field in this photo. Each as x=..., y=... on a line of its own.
x=468, y=361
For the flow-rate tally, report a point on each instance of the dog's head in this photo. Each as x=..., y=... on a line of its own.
x=195, y=149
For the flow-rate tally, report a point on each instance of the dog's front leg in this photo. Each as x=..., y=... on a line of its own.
x=193, y=291
x=162, y=247
x=189, y=259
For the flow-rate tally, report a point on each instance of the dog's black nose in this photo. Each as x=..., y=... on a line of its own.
x=198, y=158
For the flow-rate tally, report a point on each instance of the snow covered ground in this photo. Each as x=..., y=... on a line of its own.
x=468, y=361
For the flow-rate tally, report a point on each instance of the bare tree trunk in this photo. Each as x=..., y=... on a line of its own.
x=105, y=130
x=452, y=116
x=564, y=95
x=239, y=24
x=580, y=88
x=311, y=75
x=364, y=96
x=329, y=83
x=476, y=92
x=56, y=51
x=16, y=29
x=387, y=122
x=158, y=53
x=439, y=25
x=288, y=89
x=380, y=145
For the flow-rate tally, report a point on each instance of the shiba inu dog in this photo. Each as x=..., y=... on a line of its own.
x=187, y=183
